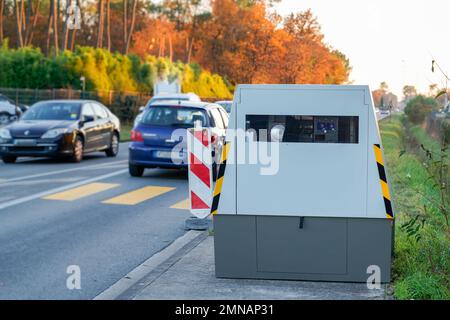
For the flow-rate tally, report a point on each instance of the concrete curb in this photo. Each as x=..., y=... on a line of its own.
x=130, y=285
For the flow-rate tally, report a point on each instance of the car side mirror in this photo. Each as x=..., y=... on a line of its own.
x=87, y=119
x=141, y=109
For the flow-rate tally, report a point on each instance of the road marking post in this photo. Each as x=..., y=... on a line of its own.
x=200, y=171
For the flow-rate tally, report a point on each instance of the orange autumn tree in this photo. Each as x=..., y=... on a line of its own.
x=157, y=38
x=239, y=42
x=248, y=45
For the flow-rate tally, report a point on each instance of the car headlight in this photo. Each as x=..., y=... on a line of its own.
x=5, y=134
x=53, y=133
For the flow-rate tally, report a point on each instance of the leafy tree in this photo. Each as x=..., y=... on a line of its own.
x=419, y=107
x=241, y=40
x=409, y=92
x=384, y=86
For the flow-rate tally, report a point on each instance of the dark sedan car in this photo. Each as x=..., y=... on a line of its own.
x=56, y=128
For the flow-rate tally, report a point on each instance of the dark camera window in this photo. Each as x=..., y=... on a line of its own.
x=299, y=128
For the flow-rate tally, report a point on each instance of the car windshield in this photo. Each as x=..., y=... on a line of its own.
x=226, y=106
x=174, y=116
x=53, y=111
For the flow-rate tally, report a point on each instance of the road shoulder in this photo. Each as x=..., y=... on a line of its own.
x=144, y=274
x=185, y=270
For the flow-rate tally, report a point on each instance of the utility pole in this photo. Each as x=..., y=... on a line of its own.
x=83, y=86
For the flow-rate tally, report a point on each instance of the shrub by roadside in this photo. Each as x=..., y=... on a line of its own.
x=419, y=107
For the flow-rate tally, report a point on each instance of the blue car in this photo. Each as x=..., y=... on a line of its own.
x=159, y=139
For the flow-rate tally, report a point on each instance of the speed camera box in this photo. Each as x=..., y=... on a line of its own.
x=304, y=193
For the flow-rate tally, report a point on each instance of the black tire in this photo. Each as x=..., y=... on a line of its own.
x=78, y=147
x=9, y=159
x=113, y=149
x=135, y=171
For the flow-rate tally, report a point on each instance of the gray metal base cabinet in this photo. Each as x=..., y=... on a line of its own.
x=295, y=248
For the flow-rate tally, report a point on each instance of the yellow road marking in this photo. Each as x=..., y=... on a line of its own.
x=182, y=205
x=80, y=192
x=139, y=195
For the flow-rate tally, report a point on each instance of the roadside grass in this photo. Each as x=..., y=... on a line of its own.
x=422, y=137
x=421, y=268
x=125, y=133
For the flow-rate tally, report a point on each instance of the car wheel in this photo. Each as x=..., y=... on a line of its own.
x=113, y=146
x=9, y=159
x=135, y=171
x=4, y=118
x=77, y=154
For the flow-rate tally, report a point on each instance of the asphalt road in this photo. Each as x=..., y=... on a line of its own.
x=92, y=214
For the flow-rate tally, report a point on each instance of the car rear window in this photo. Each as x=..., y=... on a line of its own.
x=174, y=116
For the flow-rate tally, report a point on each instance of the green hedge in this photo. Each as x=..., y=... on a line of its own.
x=103, y=70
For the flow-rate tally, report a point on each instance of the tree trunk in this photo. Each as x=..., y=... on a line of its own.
x=170, y=48
x=125, y=24
x=191, y=44
x=74, y=32
x=100, y=24
x=108, y=24
x=133, y=20
x=66, y=30
x=163, y=46
x=55, y=24
x=33, y=24
x=2, y=9
x=18, y=24
x=49, y=24
x=29, y=22
x=72, y=39
x=22, y=15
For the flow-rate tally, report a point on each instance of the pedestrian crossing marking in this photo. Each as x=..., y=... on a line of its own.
x=81, y=192
x=182, y=205
x=139, y=195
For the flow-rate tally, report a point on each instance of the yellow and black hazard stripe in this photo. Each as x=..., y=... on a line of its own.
x=383, y=181
x=219, y=180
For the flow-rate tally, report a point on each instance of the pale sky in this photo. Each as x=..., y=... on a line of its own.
x=385, y=40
